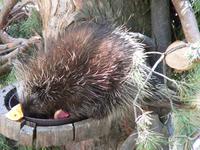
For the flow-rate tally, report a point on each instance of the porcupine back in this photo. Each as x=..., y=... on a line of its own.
x=91, y=70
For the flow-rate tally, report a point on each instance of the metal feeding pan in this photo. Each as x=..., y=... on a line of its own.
x=11, y=99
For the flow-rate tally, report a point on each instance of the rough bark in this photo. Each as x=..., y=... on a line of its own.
x=7, y=7
x=160, y=20
x=188, y=20
x=161, y=31
x=57, y=15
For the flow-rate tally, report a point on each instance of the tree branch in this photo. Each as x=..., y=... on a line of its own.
x=5, y=38
x=7, y=46
x=18, y=16
x=6, y=51
x=188, y=20
x=8, y=5
x=18, y=8
x=22, y=46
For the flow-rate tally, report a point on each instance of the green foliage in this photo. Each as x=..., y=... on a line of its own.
x=186, y=121
x=196, y=7
x=150, y=140
x=27, y=28
x=1, y=2
x=7, y=79
x=191, y=86
x=4, y=145
x=147, y=138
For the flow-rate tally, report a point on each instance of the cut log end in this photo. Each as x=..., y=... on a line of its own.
x=177, y=56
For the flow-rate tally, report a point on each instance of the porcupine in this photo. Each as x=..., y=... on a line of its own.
x=91, y=70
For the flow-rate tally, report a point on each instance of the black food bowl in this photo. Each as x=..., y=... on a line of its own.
x=51, y=122
x=11, y=99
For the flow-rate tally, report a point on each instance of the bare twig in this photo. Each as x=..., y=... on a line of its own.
x=22, y=47
x=142, y=87
x=17, y=45
x=8, y=5
x=18, y=8
x=6, y=51
x=5, y=38
x=14, y=18
x=165, y=77
x=5, y=58
x=194, y=137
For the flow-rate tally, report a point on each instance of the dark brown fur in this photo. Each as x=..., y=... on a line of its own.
x=85, y=72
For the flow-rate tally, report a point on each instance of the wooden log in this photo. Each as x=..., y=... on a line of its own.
x=88, y=129
x=177, y=56
x=27, y=135
x=54, y=135
x=10, y=129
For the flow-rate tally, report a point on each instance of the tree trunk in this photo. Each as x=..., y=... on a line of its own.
x=58, y=15
x=161, y=31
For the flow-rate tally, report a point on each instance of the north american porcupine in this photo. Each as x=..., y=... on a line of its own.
x=91, y=70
